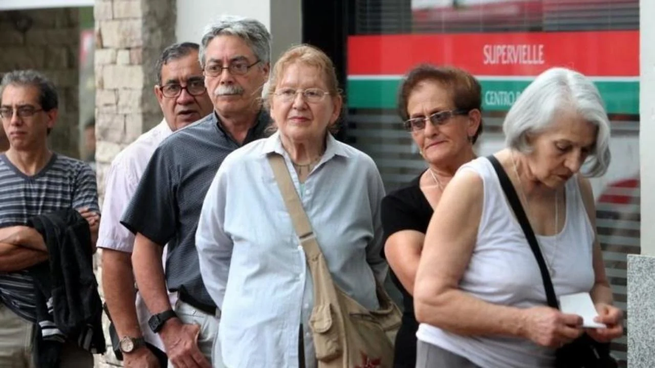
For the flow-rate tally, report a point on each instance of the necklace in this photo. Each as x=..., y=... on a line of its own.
x=436, y=180
x=550, y=262
x=305, y=169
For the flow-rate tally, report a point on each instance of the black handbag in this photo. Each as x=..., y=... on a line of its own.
x=583, y=352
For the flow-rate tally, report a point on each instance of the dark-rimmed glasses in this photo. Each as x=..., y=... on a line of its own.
x=238, y=67
x=194, y=87
x=437, y=119
x=311, y=95
x=6, y=113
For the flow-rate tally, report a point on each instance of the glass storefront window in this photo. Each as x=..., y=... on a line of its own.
x=505, y=43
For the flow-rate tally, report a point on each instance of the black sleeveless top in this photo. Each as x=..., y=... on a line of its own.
x=406, y=209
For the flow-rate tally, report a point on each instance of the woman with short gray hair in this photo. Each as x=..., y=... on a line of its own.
x=479, y=292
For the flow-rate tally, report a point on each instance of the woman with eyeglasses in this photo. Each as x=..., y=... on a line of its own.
x=440, y=107
x=251, y=259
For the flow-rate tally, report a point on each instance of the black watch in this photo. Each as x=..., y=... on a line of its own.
x=130, y=344
x=156, y=322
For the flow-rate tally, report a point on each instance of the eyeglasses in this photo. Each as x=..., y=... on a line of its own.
x=22, y=112
x=311, y=95
x=194, y=87
x=437, y=119
x=239, y=67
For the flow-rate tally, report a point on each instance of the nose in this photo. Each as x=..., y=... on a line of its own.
x=15, y=120
x=226, y=76
x=185, y=97
x=574, y=162
x=430, y=129
x=298, y=101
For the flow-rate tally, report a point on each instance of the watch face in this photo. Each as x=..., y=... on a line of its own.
x=126, y=344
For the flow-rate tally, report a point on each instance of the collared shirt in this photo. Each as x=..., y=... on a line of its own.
x=166, y=205
x=253, y=264
x=62, y=184
x=121, y=183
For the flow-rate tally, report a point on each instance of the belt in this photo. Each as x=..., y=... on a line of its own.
x=209, y=309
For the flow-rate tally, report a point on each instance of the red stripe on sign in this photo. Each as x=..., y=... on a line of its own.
x=606, y=53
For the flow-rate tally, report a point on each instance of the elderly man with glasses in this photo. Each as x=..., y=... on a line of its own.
x=235, y=55
x=183, y=98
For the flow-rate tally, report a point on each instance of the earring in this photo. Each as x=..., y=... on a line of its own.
x=470, y=139
x=420, y=152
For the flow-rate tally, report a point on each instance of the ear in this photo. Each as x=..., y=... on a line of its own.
x=474, y=121
x=266, y=68
x=337, y=104
x=159, y=94
x=52, y=118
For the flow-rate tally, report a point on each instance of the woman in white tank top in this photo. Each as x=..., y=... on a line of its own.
x=479, y=294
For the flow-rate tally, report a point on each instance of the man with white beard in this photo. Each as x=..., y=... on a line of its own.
x=235, y=56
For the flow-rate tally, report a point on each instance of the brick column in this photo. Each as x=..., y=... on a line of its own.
x=130, y=35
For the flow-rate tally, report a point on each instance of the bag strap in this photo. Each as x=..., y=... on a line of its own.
x=514, y=201
x=299, y=218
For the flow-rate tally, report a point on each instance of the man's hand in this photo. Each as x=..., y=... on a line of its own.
x=93, y=218
x=140, y=358
x=181, y=343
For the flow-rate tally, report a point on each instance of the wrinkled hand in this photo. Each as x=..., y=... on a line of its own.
x=612, y=317
x=141, y=358
x=549, y=327
x=181, y=341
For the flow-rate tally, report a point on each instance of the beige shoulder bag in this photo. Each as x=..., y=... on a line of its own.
x=346, y=335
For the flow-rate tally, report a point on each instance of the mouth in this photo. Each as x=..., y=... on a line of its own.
x=188, y=114
x=299, y=119
x=432, y=144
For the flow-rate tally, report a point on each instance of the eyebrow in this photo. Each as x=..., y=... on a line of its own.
x=236, y=58
x=432, y=112
x=18, y=106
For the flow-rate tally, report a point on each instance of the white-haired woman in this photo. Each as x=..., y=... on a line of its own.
x=479, y=293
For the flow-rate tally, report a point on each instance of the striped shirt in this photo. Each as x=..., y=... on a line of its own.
x=63, y=183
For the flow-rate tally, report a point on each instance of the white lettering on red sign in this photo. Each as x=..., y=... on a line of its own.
x=513, y=54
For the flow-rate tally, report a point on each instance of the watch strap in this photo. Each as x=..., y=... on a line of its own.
x=157, y=321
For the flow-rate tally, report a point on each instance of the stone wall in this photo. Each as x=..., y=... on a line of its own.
x=130, y=35
x=47, y=40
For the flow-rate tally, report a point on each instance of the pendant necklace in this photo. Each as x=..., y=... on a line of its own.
x=527, y=205
x=436, y=180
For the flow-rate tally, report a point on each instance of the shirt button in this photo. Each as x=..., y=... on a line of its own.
x=306, y=305
x=308, y=192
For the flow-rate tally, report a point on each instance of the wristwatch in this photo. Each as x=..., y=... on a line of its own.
x=129, y=344
x=156, y=322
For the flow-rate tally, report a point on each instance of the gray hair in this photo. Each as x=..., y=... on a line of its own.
x=48, y=98
x=252, y=31
x=174, y=52
x=554, y=91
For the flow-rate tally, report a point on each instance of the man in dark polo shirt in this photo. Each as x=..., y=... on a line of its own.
x=235, y=56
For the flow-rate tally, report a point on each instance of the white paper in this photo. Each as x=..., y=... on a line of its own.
x=582, y=305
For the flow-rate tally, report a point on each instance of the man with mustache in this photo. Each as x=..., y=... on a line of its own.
x=235, y=55
x=183, y=99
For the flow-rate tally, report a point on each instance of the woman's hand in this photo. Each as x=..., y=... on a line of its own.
x=612, y=317
x=549, y=327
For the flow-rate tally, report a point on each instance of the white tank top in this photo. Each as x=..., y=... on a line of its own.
x=503, y=270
